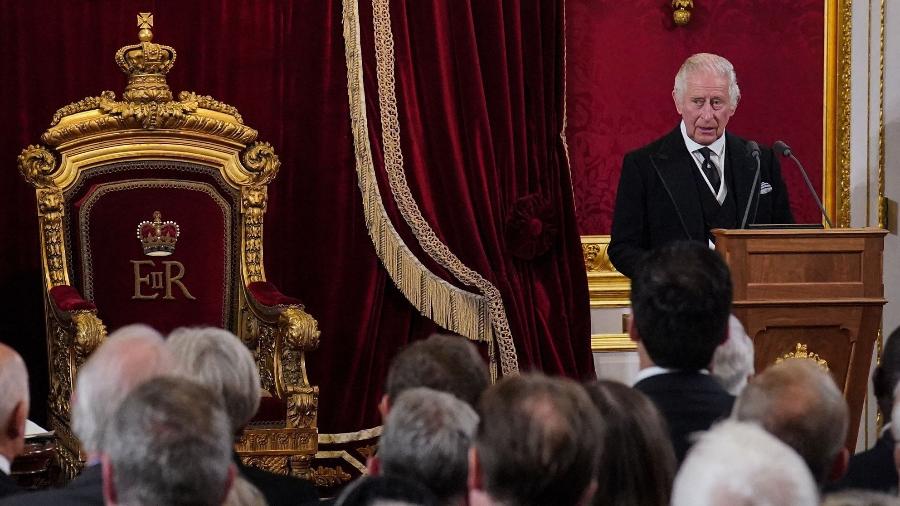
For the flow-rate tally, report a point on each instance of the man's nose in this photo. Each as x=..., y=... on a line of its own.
x=706, y=112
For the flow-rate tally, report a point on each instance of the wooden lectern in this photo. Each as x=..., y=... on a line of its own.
x=813, y=294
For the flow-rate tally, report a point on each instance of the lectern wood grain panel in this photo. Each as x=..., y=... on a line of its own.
x=814, y=294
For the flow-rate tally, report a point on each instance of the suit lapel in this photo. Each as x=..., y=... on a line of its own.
x=742, y=169
x=675, y=167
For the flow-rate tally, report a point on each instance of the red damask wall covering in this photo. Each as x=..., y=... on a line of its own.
x=621, y=63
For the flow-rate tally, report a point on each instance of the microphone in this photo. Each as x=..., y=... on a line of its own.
x=753, y=152
x=784, y=150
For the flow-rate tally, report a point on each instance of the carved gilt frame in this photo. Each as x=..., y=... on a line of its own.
x=610, y=289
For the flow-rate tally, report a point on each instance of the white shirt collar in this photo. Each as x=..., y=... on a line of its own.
x=5, y=465
x=717, y=147
x=653, y=370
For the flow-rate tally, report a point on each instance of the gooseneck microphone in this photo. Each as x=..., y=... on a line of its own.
x=753, y=152
x=784, y=150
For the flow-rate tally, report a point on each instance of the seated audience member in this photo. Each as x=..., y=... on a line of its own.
x=874, y=469
x=445, y=363
x=243, y=493
x=426, y=437
x=732, y=363
x=799, y=403
x=637, y=464
x=681, y=301
x=386, y=491
x=13, y=412
x=172, y=446
x=127, y=358
x=854, y=497
x=737, y=463
x=538, y=442
x=219, y=360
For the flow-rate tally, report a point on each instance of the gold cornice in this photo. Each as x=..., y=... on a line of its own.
x=607, y=286
x=836, y=120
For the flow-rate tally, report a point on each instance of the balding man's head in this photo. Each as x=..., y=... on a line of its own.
x=13, y=402
x=127, y=358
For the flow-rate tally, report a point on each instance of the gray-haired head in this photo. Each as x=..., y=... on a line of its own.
x=732, y=363
x=219, y=360
x=740, y=463
x=426, y=437
x=708, y=62
x=172, y=445
x=14, y=402
x=128, y=357
x=801, y=405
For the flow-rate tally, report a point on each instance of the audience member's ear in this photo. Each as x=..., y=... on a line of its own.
x=475, y=481
x=588, y=496
x=109, y=488
x=373, y=465
x=632, y=330
x=229, y=481
x=839, y=466
x=15, y=429
x=384, y=406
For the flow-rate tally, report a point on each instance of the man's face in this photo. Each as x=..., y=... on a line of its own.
x=705, y=106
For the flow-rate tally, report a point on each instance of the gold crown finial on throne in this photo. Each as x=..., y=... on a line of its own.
x=146, y=64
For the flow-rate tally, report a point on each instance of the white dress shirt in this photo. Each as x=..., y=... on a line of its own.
x=717, y=156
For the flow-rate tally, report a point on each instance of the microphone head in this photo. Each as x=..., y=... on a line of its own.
x=781, y=148
x=753, y=149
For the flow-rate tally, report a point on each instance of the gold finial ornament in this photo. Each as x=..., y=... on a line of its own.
x=681, y=11
x=146, y=64
x=802, y=352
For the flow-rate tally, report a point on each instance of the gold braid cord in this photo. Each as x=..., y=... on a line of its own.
x=478, y=317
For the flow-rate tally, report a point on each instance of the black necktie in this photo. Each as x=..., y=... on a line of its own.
x=709, y=168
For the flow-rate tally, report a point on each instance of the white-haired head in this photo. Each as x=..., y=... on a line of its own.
x=708, y=62
x=219, y=360
x=741, y=463
x=127, y=358
x=732, y=363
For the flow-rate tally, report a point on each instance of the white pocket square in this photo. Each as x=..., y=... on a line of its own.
x=764, y=188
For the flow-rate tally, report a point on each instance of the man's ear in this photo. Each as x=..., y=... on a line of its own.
x=677, y=103
x=839, y=466
x=373, y=465
x=15, y=427
x=475, y=481
x=632, y=330
x=229, y=481
x=588, y=496
x=384, y=406
x=109, y=488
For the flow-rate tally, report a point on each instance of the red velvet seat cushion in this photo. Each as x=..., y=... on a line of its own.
x=268, y=295
x=67, y=298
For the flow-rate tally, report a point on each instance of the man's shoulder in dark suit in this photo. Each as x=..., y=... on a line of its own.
x=689, y=401
x=872, y=469
x=7, y=485
x=85, y=490
x=279, y=489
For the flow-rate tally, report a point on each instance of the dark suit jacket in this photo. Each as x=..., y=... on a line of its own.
x=7, y=485
x=84, y=490
x=278, y=489
x=658, y=200
x=872, y=469
x=689, y=401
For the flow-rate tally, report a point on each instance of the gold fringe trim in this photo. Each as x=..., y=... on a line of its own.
x=463, y=312
x=409, y=209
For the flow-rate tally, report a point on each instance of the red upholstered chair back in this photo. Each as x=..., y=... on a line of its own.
x=134, y=273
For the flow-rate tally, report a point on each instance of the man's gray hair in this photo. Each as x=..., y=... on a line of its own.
x=13, y=383
x=740, y=463
x=219, y=360
x=172, y=445
x=800, y=404
x=128, y=357
x=708, y=62
x=426, y=437
x=732, y=362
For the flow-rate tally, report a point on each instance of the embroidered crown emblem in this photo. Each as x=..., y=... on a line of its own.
x=158, y=237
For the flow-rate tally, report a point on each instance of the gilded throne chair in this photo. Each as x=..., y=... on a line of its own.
x=151, y=210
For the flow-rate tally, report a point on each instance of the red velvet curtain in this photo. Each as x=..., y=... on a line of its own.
x=485, y=73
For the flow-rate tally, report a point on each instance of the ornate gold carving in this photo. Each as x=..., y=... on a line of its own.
x=477, y=316
x=276, y=464
x=298, y=329
x=681, y=11
x=50, y=211
x=836, y=188
x=85, y=104
x=146, y=65
x=207, y=102
x=612, y=343
x=607, y=286
x=330, y=476
x=61, y=367
x=37, y=163
x=261, y=161
x=367, y=451
x=69, y=448
x=801, y=352
x=276, y=441
x=149, y=114
x=302, y=407
x=882, y=201
x=253, y=207
x=89, y=333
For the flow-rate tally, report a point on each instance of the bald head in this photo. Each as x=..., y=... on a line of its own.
x=127, y=358
x=13, y=402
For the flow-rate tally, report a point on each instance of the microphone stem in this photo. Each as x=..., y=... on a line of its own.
x=812, y=190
